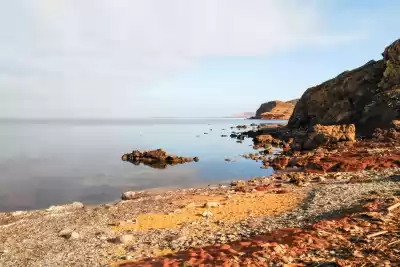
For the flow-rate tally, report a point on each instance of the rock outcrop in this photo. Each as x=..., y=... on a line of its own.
x=155, y=158
x=276, y=110
x=324, y=135
x=368, y=97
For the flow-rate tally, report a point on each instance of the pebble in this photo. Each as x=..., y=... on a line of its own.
x=68, y=234
x=125, y=239
x=207, y=214
x=74, y=235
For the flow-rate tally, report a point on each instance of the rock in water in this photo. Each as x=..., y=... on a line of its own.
x=263, y=139
x=368, y=97
x=156, y=158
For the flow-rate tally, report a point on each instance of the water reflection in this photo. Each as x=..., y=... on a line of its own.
x=45, y=164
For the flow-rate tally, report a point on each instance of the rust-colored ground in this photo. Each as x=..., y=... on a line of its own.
x=368, y=238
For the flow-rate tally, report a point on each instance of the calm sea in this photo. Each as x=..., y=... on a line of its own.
x=45, y=163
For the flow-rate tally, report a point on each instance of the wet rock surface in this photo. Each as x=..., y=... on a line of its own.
x=156, y=158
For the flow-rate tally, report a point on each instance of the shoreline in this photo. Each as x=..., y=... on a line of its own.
x=158, y=226
x=101, y=229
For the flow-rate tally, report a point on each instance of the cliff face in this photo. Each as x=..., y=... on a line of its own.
x=368, y=97
x=275, y=110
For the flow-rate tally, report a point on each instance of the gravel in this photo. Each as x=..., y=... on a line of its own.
x=40, y=238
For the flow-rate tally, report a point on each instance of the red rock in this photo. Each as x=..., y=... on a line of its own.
x=225, y=246
x=245, y=244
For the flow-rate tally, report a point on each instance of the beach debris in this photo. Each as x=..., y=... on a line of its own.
x=377, y=234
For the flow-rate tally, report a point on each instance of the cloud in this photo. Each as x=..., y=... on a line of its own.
x=97, y=57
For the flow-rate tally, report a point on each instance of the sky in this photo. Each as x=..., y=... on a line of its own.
x=179, y=58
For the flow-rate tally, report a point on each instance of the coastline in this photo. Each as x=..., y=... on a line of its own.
x=217, y=224
x=102, y=229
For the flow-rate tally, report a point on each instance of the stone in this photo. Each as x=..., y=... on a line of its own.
x=74, y=235
x=207, y=214
x=77, y=205
x=265, y=138
x=128, y=195
x=125, y=239
x=321, y=135
x=68, y=234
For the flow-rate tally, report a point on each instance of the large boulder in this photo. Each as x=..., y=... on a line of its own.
x=368, y=97
x=275, y=110
x=324, y=135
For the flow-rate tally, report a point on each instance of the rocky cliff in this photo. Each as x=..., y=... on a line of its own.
x=368, y=97
x=276, y=110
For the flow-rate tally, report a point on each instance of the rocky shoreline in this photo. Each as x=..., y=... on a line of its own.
x=217, y=224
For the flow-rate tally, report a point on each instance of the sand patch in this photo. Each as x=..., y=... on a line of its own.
x=236, y=208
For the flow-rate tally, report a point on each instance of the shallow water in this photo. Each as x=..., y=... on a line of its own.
x=45, y=163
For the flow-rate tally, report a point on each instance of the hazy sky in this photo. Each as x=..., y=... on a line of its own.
x=143, y=58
